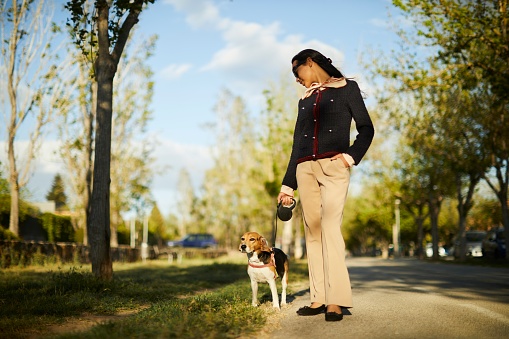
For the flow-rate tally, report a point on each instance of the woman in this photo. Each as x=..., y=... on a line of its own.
x=320, y=167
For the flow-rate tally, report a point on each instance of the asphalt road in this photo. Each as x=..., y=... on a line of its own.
x=407, y=298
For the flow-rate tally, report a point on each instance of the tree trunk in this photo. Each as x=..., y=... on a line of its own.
x=14, y=188
x=502, y=196
x=502, y=193
x=99, y=226
x=115, y=215
x=87, y=194
x=434, y=210
x=13, y=171
x=420, y=237
x=505, y=219
x=464, y=206
x=14, y=217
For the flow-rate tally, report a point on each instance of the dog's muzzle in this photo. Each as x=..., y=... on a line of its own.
x=243, y=248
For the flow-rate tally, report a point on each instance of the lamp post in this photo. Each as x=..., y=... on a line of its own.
x=396, y=239
x=144, y=244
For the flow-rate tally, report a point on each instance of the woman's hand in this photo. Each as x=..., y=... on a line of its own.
x=285, y=199
x=341, y=158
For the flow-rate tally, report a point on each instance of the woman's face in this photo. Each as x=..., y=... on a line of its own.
x=302, y=72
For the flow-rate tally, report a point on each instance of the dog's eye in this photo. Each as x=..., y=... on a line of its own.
x=242, y=239
x=252, y=239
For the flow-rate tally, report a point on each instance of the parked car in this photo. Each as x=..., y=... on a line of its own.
x=429, y=250
x=196, y=240
x=493, y=245
x=473, y=246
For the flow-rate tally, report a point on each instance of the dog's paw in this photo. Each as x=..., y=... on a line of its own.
x=285, y=306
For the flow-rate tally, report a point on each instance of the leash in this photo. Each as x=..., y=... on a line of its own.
x=275, y=227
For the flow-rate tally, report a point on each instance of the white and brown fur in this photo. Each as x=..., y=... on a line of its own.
x=258, y=254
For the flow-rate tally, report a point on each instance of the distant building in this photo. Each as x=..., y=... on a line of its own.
x=45, y=207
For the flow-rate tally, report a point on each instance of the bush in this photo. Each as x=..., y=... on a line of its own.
x=5, y=234
x=57, y=228
x=123, y=235
x=79, y=235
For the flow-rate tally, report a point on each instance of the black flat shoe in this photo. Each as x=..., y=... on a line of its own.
x=306, y=310
x=333, y=316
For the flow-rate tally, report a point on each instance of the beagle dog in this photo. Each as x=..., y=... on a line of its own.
x=265, y=264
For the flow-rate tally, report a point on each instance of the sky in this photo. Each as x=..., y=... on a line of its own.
x=205, y=46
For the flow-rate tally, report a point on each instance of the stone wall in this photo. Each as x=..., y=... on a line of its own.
x=25, y=253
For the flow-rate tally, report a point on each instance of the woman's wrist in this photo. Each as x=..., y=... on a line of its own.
x=287, y=190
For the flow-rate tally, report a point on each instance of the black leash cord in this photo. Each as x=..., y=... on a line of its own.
x=275, y=227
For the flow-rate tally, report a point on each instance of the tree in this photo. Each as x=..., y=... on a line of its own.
x=57, y=193
x=276, y=135
x=76, y=126
x=470, y=39
x=451, y=141
x=185, y=201
x=132, y=96
x=444, y=126
x=4, y=184
x=157, y=227
x=111, y=37
x=411, y=192
x=230, y=195
x=31, y=83
x=132, y=163
x=368, y=219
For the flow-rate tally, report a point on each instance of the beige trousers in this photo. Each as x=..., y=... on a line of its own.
x=323, y=186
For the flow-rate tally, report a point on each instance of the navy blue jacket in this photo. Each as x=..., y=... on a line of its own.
x=323, y=125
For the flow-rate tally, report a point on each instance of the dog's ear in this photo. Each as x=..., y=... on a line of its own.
x=264, y=244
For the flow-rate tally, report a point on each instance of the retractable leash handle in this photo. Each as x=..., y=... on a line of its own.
x=285, y=212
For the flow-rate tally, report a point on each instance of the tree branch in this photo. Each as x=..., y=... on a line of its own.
x=123, y=34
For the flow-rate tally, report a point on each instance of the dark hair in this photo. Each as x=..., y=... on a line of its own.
x=320, y=59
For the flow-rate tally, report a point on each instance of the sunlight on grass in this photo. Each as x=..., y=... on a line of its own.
x=201, y=298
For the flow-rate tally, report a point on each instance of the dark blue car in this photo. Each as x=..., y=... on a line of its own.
x=493, y=245
x=196, y=240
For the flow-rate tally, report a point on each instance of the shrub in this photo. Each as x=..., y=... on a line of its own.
x=58, y=228
x=5, y=234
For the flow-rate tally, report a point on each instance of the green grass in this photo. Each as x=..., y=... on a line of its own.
x=205, y=298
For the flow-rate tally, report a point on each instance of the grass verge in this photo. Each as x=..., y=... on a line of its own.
x=202, y=298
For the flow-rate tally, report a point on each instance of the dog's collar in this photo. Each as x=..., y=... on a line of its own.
x=271, y=263
x=260, y=266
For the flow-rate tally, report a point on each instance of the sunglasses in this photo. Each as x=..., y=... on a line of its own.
x=294, y=68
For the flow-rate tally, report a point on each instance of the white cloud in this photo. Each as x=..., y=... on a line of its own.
x=259, y=52
x=43, y=168
x=200, y=12
x=253, y=54
x=175, y=71
x=46, y=161
x=173, y=157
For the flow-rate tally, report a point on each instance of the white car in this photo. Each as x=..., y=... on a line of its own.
x=474, y=244
x=429, y=250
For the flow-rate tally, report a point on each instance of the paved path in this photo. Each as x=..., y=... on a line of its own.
x=407, y=298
